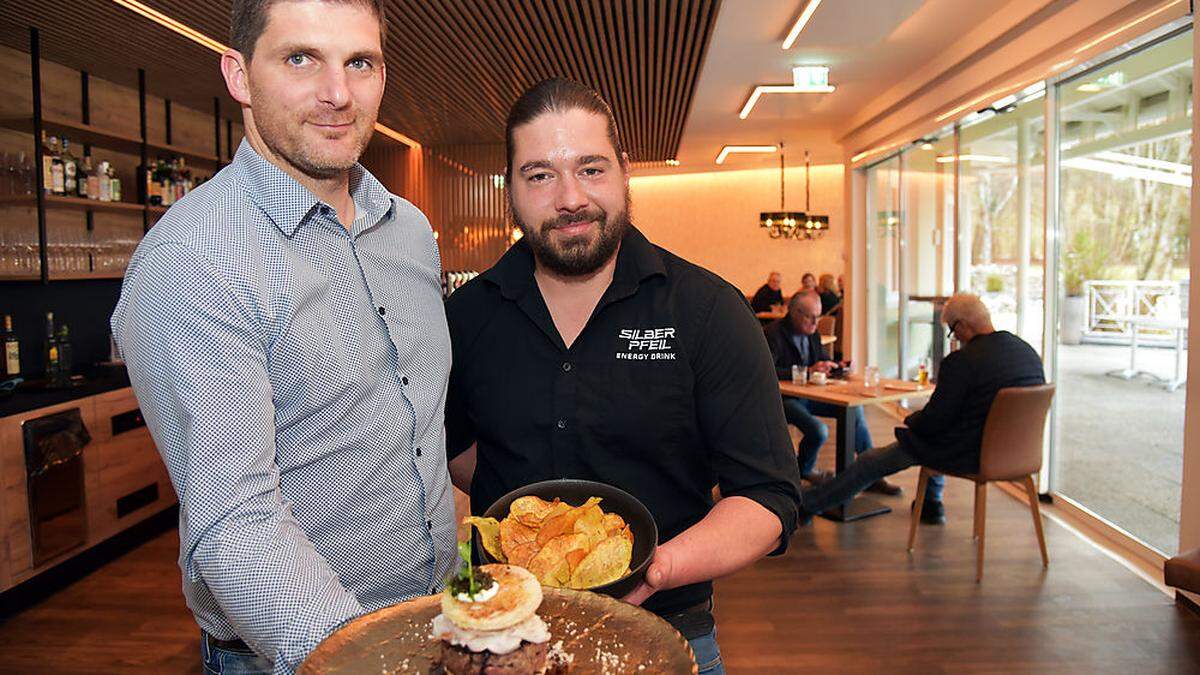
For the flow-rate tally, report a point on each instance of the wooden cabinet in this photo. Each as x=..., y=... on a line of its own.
x=125, y=481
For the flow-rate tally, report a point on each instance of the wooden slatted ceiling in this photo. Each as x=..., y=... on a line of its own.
x=111, y=42
x=454, y=66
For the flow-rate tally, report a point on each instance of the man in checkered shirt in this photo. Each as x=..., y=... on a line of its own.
x=284, y=333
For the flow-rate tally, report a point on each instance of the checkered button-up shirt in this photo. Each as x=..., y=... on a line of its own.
x=293, y=374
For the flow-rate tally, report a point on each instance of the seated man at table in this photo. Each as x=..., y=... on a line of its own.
x=794, y=342
x=946, y=434
x=769, y=294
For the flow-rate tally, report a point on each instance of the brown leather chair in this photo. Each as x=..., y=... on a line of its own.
x=1183, y=571
x=1011, y=451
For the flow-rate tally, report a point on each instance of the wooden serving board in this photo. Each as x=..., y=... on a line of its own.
x=601, y=634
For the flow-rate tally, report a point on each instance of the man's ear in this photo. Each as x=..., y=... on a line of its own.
x=236, y=71
x=625, y=167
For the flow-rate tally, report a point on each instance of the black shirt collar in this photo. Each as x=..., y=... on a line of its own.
x=637, y=260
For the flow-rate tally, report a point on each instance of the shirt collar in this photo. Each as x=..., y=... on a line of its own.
x=637, y=260
x=287, y=203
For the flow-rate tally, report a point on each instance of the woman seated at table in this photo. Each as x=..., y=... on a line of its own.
x=946, y=434
x=794, y=342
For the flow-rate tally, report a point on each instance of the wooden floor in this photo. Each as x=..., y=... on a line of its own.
x=846, y=598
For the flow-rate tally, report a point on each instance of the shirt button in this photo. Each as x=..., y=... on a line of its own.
x=382, y=311
x=404, y=380
x=567, y=367
x=562, y=424
x=418, y=452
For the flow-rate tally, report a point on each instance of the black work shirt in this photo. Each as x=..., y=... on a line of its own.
x=667, y=391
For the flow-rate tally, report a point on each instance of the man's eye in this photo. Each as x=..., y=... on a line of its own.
x=592, y=171
x=539, y=177
x=298, y=59
x=360, y=64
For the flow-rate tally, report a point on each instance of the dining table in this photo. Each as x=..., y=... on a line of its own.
x=846, y=395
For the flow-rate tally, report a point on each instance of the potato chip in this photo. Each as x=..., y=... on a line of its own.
x=531, y=511
x=556, y=525
x=613, y=523
x=489, y=533
x=606, y=563
x=521, y=554
x=513, y=533
x=576, y=556
x=545, y=565
x=591, y=523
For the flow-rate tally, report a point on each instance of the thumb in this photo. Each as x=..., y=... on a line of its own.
x=656, y=575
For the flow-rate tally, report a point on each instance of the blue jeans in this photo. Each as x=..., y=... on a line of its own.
x=802, y=414
x=868, y=468
x=218, y=661
x=708, y=654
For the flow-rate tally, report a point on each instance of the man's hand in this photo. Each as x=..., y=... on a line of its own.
x=824, y=366
x=658, y=577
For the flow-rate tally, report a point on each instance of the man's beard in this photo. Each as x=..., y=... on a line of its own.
x=275, y=129
x=580, y=255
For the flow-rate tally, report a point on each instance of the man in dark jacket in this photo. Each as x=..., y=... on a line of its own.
x=794, y=341
x=769, y=295
x=946, y=435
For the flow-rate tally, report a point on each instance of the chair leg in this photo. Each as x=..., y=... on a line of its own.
x=922, y=481
x=1035, y=509
x=980, y=519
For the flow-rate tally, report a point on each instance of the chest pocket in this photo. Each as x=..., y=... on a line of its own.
x=649, y=407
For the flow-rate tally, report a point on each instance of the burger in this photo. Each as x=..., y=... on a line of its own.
x=489, y=624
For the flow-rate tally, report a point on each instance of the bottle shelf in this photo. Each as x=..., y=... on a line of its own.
x=190, y=155
x=78, y=203
x=78, y=132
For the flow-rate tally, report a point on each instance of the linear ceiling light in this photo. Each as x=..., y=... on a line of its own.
x=220, y=47
x=991, y=159
x=801, y=22
x=1127, y=26
x=805, y=80
x=730, y=149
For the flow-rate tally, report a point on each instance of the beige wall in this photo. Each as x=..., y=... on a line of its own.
x=711, y=219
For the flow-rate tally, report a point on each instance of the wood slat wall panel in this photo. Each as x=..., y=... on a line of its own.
x=455, y=66
x=455, y=188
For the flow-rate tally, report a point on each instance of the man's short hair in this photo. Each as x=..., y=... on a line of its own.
x=559, y=95
x=966, y=308
x=248, y=20
x=800, y=296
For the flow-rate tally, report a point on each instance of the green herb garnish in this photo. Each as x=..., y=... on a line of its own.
x=469, y=581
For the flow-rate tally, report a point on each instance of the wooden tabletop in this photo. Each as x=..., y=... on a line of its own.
x=851, y=394
x=770, y=315
x=828, y=339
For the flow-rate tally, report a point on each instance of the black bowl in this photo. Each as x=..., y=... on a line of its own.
x=612, y=500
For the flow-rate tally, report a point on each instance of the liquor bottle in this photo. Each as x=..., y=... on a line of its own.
x=64, y=354
x=57, y=178
x=50, y=354
x=164, y=183
x=47, y=163
x=103, y=189
x=114, y=184
x=94, y=177
x=12, y=349
x=70, y=169
x=27, y=175
x=83, y=174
